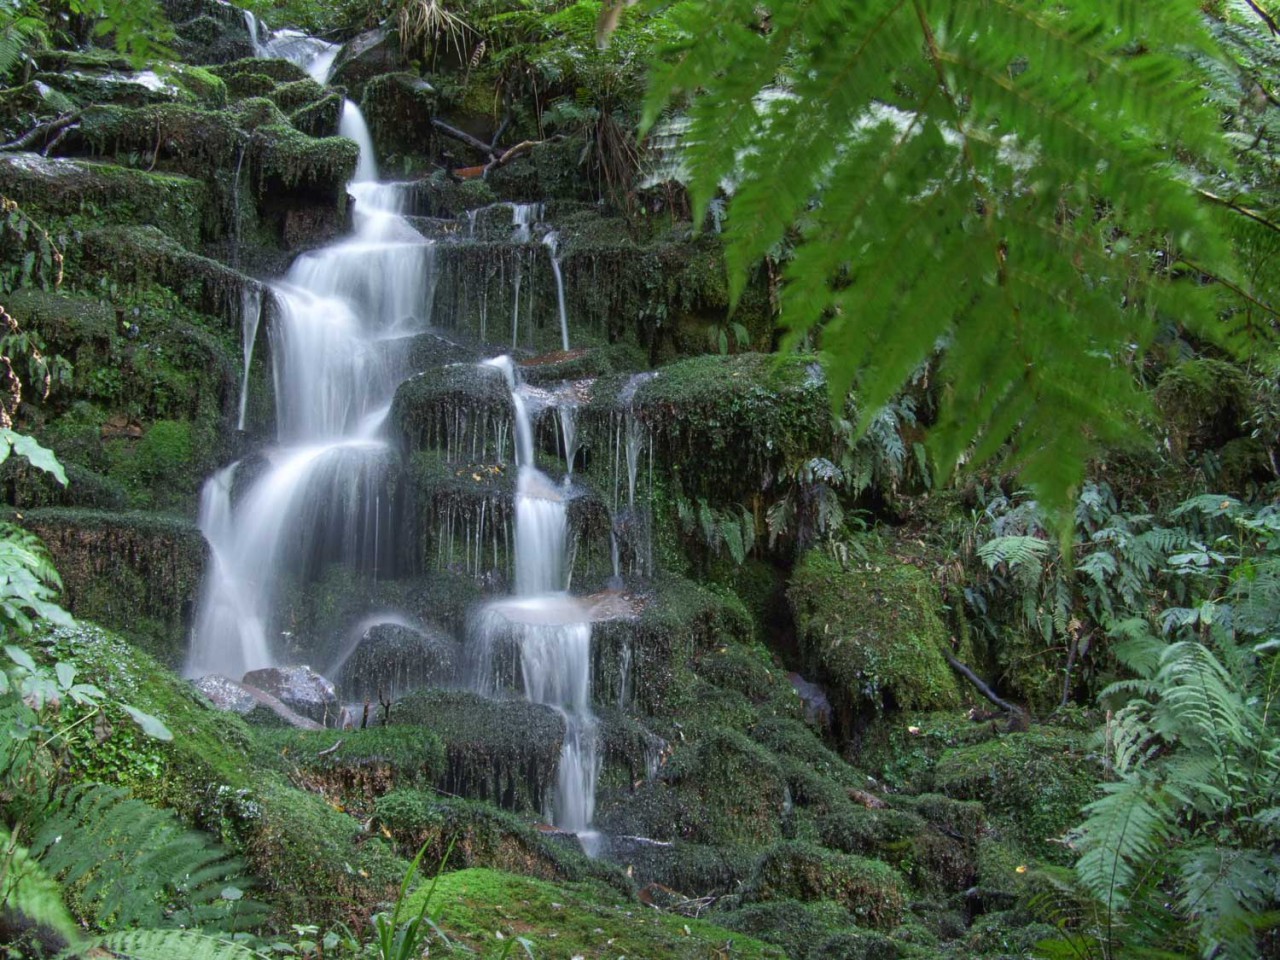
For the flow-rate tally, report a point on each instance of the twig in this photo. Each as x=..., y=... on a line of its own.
x=1244, y=211
x=329, y=750
x=62, y=135
x=46, y=128
x=502, y=128
x=981, y=685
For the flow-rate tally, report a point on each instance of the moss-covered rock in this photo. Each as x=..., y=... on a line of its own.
x=287, y=159
x=573, y=920
x=798, y=928
x=503, y=751
x=1033, y=784
x=319, y=118
x=179, y=138
x=368, y=55
x=1203, y=402
x=356, y=767
x=88, y=193
x=398, y=108
x=479, y=835
x=733, y=790
x=872, y=892
x=135, y=572
x=463, y=410
x=275, y=69
x=873, y=633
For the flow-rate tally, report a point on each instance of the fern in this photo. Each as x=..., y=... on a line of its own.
x=132, y=864
x=943, y=166
x=173, y=945
x=28, y=890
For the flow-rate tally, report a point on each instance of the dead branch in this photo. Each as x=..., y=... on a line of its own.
x=41, y=129
x=981, y=686
x=468, y=139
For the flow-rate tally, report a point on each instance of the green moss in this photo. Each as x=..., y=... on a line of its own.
x=733, y=788
x=798, y=928
x=692, y=869
x=614, y=358
x=297, y=93
x=254, y=112
x=398, y=108
x=481, y=835
x=873, y=634
x=135, y=572
x=243, y=85
x=285, y=158
x=1032, y=784
x=871, y=891
x=1203, y=402
x=318, y=119
x=356, y=767
x=189, y=140
x=901, y=750
x=90, y=193
x=460, y=409
x=572, y=920
x=503, y=751
x=281, y=71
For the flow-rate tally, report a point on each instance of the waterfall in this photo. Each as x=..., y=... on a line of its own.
x=553, y=244
x=352, y=125
x=550, y=628
x=250, y=316
x=339, y=334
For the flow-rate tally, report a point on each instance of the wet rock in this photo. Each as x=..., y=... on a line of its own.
x=392, y=660
x=208, y=31
x=300, y=689
x=817, y=708
x=398, y=108
x=254, y=705
x=369, y=55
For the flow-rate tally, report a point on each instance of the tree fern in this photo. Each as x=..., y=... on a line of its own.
x=998, y=179
x=133, y=865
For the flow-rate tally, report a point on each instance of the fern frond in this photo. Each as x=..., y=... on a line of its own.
x=26, y=888
x=174, y=945
x=1122, y=832
x=136, y=865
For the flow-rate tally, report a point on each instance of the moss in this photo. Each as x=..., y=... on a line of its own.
x=398, y=108
x=312, y=862
x=320, y=118
x=614, y=358
x=734, y=789
x=798, y=928
x=356, y=767
x=280, y=71
x=287, y=159
x=296, y=93
x=255, y=112
x=796, y=742
x=902, y=750
x=693, y=869
x=1203, y=402
x=93, y=192
x=181, y=139
x=872, y=633
x=136, y=572
x=932, y=860
x=871, y=891
x=503, y=751
x=749, y=669
x=480, y=835
x=572, y=920
x=462, y=409
x=242, y=85
x=1033, y=784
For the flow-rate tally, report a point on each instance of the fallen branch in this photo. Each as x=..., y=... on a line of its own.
x=62, y=135
x=981, y=686
x=468, y=139
x=519, y=150
x=41, y=129
x=329, y=750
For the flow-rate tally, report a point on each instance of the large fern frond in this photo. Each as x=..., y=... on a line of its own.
x=997, y=179
x=1121, y=834
x=27, y=889
x=174, y=945
x=134, y=865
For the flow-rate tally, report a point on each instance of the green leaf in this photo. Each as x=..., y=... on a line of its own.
x=150, y=725
x=40, y=457
x=21, y=658
x=66, y=674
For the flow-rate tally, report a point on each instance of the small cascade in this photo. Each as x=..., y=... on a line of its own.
x=352, y=126
x=550, y=629
x=523, y=218
x=340, y=325
x=630, y=442
x=250, y=316
x=567, y=416
x=312, y=54
x=552, y=241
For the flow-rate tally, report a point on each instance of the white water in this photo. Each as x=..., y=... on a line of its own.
x=553, y=244
x=352, y=125
x=314, y=55
x=250, y=316
x=343, y=315
x=551, y=629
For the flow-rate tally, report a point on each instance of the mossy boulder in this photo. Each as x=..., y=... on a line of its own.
x=573, y=920
x=583, y=364
x=502, y=751
x=463, y=410
x=135, y=572
x=88, y=193
x=357, y=767
x=393, y=659
x=319, y=118
x=208, y=32
x=732, y=789
x=798, y=928
x=398, y=107
x=873, y=892
x=480, y=835
x=873, y=633
x=1032, y=784
x=366, y=56
x=1204, y=402
x=286, y=159
x=274, y=68
x=179, y=138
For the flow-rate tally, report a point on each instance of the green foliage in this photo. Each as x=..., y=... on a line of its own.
x=137, y=27
x=18, y=33
x=26, y=888
x=952, y=184
x=29, y=583
x=133, y=865
x=170, y=944
x=1187, y=821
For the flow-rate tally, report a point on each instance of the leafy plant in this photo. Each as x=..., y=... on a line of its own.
x=995, y=179
x=1188, y=822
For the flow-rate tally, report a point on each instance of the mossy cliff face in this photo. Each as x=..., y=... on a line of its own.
x=872, y=631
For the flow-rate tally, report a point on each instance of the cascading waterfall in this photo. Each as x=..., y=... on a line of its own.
x=250, y=317
x=551, y=629
x=338, y=336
